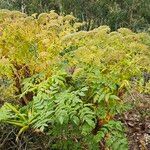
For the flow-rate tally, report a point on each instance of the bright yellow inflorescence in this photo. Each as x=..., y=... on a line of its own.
x=35, y=44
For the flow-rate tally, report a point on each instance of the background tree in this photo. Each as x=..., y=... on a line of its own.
x=133, y=14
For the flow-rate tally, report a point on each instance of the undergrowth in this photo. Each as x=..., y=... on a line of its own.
x=69, y=84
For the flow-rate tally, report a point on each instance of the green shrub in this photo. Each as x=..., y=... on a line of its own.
x=68, y=84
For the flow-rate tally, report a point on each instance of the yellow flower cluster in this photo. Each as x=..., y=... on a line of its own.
x=37, y=42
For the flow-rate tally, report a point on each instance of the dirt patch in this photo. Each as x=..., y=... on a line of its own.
x=137, y=122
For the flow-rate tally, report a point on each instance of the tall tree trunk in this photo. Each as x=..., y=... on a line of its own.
x=23, y=6
x=60, y=6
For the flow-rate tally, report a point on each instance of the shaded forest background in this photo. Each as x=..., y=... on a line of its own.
x=133, y=14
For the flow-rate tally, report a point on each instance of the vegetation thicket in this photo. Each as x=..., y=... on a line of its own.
x=66, y=83
x=132, y=14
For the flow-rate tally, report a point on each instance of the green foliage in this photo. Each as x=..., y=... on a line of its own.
x=60, y=108
x=113, y=133
x=66, y=83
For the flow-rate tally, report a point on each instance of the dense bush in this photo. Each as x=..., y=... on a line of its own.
x=66, y=83
x=133, y=14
